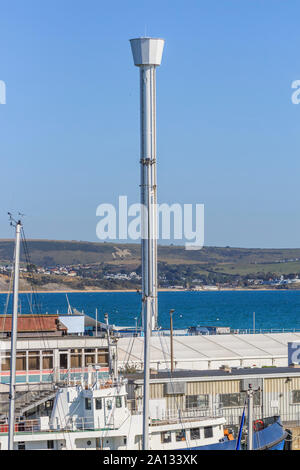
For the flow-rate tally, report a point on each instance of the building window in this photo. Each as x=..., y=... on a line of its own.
x=47, y=359
x=5, y=362
x=180, y=435
x=63, y=360
x=50, y=444
x=89, y=356
x=196, y=401
x=165, y=437
x=102, y=358
x=89, y=359
x=98, y=403
x=21, y=360
x=109, y=404
x=296, y=396
x=195, y=433
x=76, y=358
x=229, y=400
x=34, y=360
x=88, y=404
x=21, y=446
x=208, y=432
x=119, y=402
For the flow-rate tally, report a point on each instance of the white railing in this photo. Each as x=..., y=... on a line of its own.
x=251, y=331
x=174, y=415
x=31, y=426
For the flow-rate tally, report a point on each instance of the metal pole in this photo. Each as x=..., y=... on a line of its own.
x=146, y=397
x=171, y=340
x=250, y=419
x=14, y=329
x=116, y=359
x=147, y=54
x=96, y=322
x=108, y=343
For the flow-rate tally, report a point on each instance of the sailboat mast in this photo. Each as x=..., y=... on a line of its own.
x=108, y=344
x=14, y=329
x=250, y=419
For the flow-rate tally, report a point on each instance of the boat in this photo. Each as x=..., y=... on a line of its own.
x=96, y=417
x=271, y=436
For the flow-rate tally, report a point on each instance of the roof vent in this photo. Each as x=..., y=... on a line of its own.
x=225, y=368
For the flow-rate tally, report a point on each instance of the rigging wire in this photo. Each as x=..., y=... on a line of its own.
x=35, y=305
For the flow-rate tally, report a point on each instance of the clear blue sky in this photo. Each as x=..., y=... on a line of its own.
x=228, y=133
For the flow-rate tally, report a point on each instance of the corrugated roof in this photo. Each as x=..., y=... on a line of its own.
x=208, y=347
x=186, y=374
x=32, y=323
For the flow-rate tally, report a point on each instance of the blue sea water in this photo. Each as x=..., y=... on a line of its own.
x=273, y=309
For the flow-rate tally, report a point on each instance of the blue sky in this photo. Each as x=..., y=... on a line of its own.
x=228, y=133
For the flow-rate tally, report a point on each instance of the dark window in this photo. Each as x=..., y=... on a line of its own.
x=109, y=404
x=238, y=399
x=63, y=361
x=88, y=404
x=21, y=446
x=165, y=437
x=50, y=444
x=180, y=435
x=208, y=432
x=118, y=402
x=195, y=433
x=296, y=396
x=98, y=403
x=196, y=401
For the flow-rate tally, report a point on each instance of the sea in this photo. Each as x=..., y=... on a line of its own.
x=275, y=310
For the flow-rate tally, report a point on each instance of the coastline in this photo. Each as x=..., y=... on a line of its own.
x=99, y=291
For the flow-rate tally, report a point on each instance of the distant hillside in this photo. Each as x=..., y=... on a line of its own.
x=52, y=252
x=227, y=260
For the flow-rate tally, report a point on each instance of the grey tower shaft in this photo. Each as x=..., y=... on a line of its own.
x=148, y=190
x=147, y=54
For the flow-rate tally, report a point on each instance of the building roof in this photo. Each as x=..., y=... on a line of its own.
x=203, y=348
x=32, y=323
x=188, y=375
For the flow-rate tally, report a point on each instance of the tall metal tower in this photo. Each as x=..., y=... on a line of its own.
x=147, y=55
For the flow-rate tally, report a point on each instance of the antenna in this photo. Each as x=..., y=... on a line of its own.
x=12, y=221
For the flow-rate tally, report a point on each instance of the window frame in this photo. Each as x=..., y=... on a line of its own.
x=205, y=431
x=193, y=430
x=164, y=433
